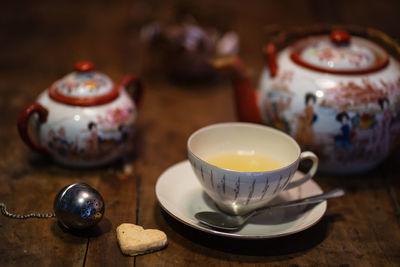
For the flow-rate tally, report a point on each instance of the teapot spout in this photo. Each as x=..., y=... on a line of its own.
x=244, y=94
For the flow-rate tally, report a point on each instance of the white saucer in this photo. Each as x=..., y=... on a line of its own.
x=180, y=194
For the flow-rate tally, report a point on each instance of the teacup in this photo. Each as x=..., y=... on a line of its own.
x=236, y=179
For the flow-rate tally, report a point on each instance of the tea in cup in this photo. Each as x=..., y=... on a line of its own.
x=243, y=166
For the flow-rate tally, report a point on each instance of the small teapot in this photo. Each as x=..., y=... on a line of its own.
x=83, y=119
x=336, y=94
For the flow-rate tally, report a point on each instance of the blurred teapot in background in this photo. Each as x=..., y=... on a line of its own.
x=184, y=50
x=337, y=94
x=84, y=119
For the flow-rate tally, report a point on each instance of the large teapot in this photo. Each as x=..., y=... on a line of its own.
x=336, y=94
x=84, y=119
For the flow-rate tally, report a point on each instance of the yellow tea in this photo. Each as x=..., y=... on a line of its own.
x=244, y=161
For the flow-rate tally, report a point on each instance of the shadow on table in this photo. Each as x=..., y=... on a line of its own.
x=103, y=227
x=292, y=244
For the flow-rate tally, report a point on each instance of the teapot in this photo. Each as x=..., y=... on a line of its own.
x=83, y=119
x=337, y=94
x=183, y=50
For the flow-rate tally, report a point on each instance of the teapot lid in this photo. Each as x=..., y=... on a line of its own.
x=339, y=53
x=84, y=87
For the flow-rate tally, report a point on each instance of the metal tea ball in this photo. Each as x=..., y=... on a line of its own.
x=78, y=206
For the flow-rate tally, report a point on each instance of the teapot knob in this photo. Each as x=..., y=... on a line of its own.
x=84, y=66
x=340, y=37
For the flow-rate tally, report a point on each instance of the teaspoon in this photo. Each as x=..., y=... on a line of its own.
x=222, y=221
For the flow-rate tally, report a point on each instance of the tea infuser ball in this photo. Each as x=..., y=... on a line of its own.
x=78, y=206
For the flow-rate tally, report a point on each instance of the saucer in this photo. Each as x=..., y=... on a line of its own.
x=181, y=195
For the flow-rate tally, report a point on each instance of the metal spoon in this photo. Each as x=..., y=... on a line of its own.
x=228, y=222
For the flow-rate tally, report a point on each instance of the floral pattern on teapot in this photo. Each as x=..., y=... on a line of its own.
x=326, y=56
x=102, y=137
x=84, y=84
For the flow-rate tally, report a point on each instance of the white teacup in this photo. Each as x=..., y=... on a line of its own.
x=239, y=192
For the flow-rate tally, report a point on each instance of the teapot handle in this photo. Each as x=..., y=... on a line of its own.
x=134, y=86
x=23, y=121
x=270, y=52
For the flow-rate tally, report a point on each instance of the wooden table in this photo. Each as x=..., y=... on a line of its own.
x=40, y=42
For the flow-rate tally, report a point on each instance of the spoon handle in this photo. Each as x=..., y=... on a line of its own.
x=304, y=201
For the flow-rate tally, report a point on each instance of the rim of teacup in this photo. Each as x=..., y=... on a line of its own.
x=244, y=124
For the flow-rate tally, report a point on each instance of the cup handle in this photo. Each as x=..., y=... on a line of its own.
x=23, y=120
x=310, y=173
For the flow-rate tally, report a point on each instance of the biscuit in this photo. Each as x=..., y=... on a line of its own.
x=134, y=240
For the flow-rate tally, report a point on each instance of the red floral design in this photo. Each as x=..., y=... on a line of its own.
x=116, y=116
x=283, y=80
x=347, y=96
x=334, y=55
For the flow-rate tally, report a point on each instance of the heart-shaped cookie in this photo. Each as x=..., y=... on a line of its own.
x=134, y=240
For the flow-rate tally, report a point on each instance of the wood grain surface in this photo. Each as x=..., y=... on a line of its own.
x=40, y=41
